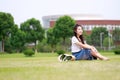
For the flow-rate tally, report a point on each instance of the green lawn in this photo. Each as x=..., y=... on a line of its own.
x=45, y=66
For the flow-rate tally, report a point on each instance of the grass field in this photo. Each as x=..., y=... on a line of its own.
x=45, y=66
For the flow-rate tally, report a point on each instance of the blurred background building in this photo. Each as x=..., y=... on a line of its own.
x=89, y=21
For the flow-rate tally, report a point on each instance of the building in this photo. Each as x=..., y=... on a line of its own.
x=89, y=21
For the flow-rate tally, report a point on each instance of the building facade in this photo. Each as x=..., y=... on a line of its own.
x=87, y=21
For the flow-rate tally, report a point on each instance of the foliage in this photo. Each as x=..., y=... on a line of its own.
x=95, y=35
x=6, y=24
x=59, y=52
x=33, y=31
x=51, y=40
x=64, y=28
x=29, y=52
x=43, y=46
x=116, y=35
x=88, y=39
x=3, y=53
x=14, y=29
x=17, y=40
x=8, y=46
x=117, y=51
x=106, y=42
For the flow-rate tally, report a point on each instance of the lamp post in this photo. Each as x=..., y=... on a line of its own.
x=109, y=40
x=101, y=39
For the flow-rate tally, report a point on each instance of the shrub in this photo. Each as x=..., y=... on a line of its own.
x=117, y=51
x=59, y=52
x=2, y=52
x=29, y=52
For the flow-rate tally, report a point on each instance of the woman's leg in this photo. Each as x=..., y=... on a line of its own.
x=73, y=58
x=97, y=54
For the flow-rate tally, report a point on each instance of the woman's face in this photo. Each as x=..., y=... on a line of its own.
x=79, y=30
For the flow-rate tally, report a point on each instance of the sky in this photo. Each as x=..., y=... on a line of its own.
x=22, y=10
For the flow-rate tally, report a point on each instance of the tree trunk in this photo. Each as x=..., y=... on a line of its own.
x=35, y=47
x=64, y=44
x=53, y=48
x=2, y=45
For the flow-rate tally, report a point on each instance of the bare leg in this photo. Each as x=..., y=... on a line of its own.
x=73, y=58
x=97, y=54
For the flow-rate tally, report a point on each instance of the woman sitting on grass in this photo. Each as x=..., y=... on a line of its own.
x=81, y=50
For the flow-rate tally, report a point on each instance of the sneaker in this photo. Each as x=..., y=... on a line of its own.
x=67, y=58
x=61, y=57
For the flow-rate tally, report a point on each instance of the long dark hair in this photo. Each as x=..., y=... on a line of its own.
x=81, y=36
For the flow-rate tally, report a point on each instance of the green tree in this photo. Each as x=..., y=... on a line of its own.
x=51, y=40
x=64, y=27
x=15, y=42
x=33, y=31
x=18, y=40
x=106, y=42
x=6, y=24
x=14, y=29
x=8, y=46
x=95, y=35
x=116, y=35
x=88, y=39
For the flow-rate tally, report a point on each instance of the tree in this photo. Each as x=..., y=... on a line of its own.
x=64, y=27
x=6, y=24
x=95, y=35
x=106, y=42
x=33, y=31
x=88, y=39
x=14, y=41
x=116, y=35
x=18, y=40
x=51, y=40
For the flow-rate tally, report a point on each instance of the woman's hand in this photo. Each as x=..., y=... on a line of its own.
x=93, y=49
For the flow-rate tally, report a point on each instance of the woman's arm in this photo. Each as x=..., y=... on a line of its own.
x=83, y=45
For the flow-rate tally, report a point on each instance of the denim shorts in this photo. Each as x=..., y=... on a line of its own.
x=83, y=54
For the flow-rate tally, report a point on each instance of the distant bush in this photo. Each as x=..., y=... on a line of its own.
x=28, y=52
x=59, y=52
x=2, y=52
x=117, y=51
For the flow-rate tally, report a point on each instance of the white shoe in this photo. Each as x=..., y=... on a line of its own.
x=61, y=57
x=65, y=57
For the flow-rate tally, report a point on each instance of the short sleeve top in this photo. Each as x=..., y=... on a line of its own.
x=74, y=46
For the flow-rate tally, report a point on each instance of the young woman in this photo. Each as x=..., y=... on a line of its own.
x=81, y=50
